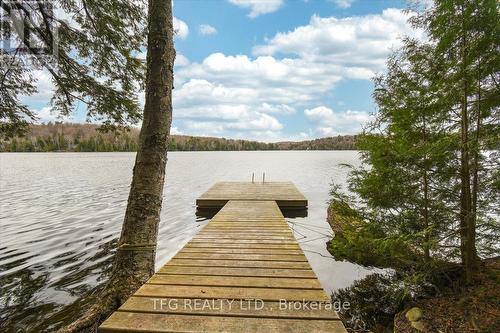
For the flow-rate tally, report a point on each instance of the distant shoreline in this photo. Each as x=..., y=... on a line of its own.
x=181, y=151
x=70, y=137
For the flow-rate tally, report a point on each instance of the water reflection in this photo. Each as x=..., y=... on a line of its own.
x=19, y=304
x=29, y=295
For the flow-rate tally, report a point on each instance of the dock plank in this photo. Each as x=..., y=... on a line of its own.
x=237, y=271
x=229, y=307
x=210, y=292
x=239, y=263
x=243, y=256
x=237, y=281
x=244, y=236
x=199, y=245
x=156, y=322
x=240, y=250
x=263, y=242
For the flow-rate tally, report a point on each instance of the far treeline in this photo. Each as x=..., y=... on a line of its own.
x=72, y=137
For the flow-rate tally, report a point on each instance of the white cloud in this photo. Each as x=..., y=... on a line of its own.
x=241, y=96
x=204, y=128
x=238, y=116
x=45, y=115
x=243, y=122
x=358, y=45
x=330, y=123
x=343, y=3
x=181, y=29
x=252, y=96
x=198, y=91
x=207, y=108
x=276, y=108
x=258, y=7
x=319, y=113
x=262, y=122
x=206, y=29
x=175, y=131
x=223, y=91
x=233, y=94
x=263, y=79
x=45, y=88
x=181, y=60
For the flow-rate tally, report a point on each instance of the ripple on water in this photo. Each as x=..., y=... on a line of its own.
x=61, y=214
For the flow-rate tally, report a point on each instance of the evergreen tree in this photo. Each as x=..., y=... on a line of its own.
x=95, y=64
x=428, y=188
x=466, y=33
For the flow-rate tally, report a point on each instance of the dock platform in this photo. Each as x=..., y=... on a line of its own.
x=243, y=272
x=285, y=194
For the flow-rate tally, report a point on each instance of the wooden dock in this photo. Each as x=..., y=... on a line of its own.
x=285, y=194
x=243, y=272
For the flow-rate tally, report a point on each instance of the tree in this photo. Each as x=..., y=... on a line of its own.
x=415, y=139
x=404, y=183
x=135, y=259
x=428, y=183
x=91, y=57
x=466, y=34
x=14, y=81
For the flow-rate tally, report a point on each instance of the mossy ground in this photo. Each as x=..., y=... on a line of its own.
x=472, y=309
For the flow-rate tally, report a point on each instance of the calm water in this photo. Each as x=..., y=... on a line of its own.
x=61, y=214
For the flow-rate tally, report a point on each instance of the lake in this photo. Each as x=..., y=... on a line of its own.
x=61, y=216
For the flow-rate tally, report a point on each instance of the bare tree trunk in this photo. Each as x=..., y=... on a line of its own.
x=134, y=262
x=475, y=176
x=465, y=196
x=467, y=233
x=427, y=252
x=427, y=238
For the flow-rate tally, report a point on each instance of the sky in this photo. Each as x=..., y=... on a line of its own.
x=274, y=70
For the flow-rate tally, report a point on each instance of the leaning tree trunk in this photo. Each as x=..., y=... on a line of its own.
x=135, y=258
x=134, y=261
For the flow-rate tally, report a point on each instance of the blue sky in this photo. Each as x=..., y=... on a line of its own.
x=276, y=70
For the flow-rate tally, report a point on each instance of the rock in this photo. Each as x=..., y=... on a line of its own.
x=414, y=314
